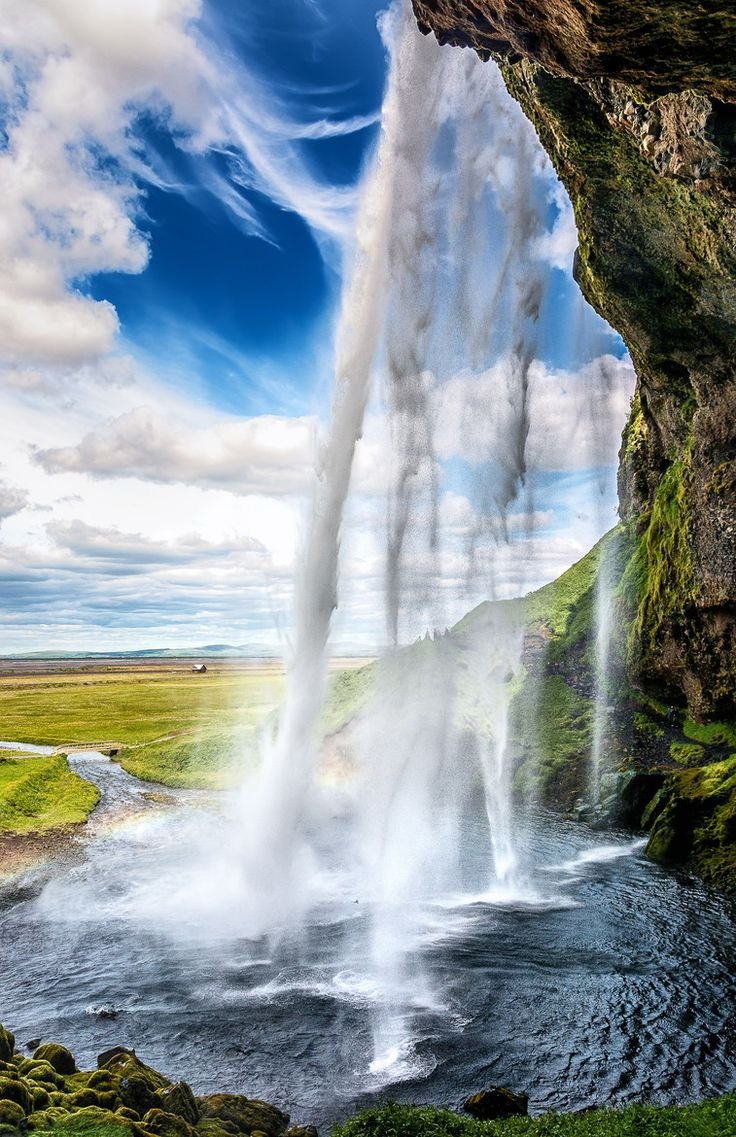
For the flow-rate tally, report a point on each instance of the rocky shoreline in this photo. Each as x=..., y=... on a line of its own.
x=48, y=1092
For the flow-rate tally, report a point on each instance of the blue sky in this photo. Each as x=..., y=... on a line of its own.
x=183, y=181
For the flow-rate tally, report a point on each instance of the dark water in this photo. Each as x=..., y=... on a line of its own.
x=607, y=980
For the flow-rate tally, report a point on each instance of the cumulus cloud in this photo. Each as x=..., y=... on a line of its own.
x=268, y=454
x=12, y=500
x=111, y=546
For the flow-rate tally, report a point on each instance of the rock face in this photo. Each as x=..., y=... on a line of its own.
x=636, y=105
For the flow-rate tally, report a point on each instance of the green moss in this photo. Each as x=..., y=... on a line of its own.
x=42, y=793
x=687, y=753
x=707, y=1119
x=698, y=823
x=712, y=733
x=552, y=729
x=645, y=725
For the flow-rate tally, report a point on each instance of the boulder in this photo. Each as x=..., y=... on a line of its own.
x=137, y=1094
x=44, y=1119
x=12, y=1089
x=61, y=1059
x=106, y=1055
x=492, y=1105
x=165, y=1124
x=11, y=1113
x=181, y=1101
x=247, y=1114
x=7, y=1044
x=41, y=1072
x=92, y=1118
x=301, y=1131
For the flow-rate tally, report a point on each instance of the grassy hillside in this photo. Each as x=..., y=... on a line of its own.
x=715, y=1118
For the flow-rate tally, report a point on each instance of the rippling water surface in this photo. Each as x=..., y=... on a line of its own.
x=609, y=980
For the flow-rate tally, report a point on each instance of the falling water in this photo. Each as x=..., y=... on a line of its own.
x=603, y=613
x=444, y=278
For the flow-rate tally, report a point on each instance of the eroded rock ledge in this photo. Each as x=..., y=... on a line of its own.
x=636, y=105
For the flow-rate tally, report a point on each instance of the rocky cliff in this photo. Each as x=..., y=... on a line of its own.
x=635, y=102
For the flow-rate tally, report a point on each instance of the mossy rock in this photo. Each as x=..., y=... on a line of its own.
x=57, y=1056
x=81, y=1098
x=41, y=1098
x=104, y=1081
x=125, y=1064
x=7, y=1044
x=41, y=1072
x=165, y=1124
x=687, y=753
x=45, y=1119
x=214, y=1127
x=11, y=1113
x=180, y=1100
x=92, y=1118
x=13, y=1089
x=246, y=1114
x=128, y=1114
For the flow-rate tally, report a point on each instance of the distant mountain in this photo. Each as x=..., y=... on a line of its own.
x=209, y=651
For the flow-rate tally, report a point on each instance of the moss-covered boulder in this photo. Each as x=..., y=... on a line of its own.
x=165, y=1124
x=58, y=1057
x=92, y=1119
x=246, y=1114
x=42, y=1072
x=179, y=1099
x=7, y=1044
x=13, y=1089
x=11, y=1113
x=42, y=1120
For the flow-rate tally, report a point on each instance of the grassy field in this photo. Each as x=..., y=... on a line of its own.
x=165, y=723
x=41, y=793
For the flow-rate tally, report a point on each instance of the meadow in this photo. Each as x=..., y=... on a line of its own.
x=160, y=720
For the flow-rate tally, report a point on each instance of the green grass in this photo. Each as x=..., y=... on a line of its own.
x=41, y=793
x=716, y=1118
x=75, y=709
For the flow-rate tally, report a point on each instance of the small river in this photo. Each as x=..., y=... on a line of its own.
x=614, y=982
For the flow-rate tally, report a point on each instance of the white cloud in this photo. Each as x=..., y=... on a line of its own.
x=268, y=454
x=12, y=500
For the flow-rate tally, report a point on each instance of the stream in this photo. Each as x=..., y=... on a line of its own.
x=611, y=982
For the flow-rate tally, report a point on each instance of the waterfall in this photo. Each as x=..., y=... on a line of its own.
x=444, y=281
x=603, y=615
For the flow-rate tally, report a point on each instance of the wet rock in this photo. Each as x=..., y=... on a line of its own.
x=301, y=1131
x=12, y=1089
x=181, y=1101
x=57, y=1056
x=492, y=1105
x=247, y=1114
x=11, y=1113
x=165, y=1124
x=33, y=1044
x=7, y=1044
